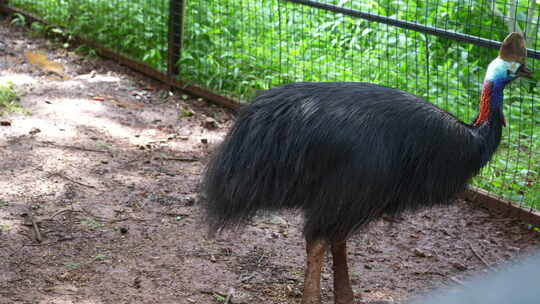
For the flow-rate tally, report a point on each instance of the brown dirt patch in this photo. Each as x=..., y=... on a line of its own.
x=108, y=163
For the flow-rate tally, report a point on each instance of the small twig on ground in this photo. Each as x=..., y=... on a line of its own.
x=247, y=278
x=125, y=219
x=173, y=214
x=433, y=273
x=211, y=292
x=37, y=233
x=130, y=162
x=93, y=215
x=229, y=296
x=30, y=221
x=40, y=243
x=119, y=220
x=111, y=221
x=180, y=159
x=69, y=179
x=82, y=149
x=263, y=256
x=73, y=147
x=479, y=256
x=457, y=281
x=51, y=243
x=118, y=102
x=17, y=250
x=62, y=211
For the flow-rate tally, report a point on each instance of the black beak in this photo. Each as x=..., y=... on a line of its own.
x=523, y=71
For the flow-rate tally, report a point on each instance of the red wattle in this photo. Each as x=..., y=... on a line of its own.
x=485, y=105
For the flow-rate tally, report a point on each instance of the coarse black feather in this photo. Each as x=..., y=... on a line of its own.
x=343, y=154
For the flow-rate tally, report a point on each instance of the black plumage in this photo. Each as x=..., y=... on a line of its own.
x=347, y=153
x=342, y=153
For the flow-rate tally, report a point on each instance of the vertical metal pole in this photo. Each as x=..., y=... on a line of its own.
x=176, y=33
x=427, y=66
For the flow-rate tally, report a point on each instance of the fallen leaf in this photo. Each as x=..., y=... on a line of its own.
x=125, y=103
x=40, y=59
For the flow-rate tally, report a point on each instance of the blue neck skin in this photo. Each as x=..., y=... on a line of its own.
x=496, y=99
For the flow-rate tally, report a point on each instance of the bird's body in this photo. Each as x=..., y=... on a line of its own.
x=346, y=153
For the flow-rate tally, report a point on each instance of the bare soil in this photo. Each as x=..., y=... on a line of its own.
x=106, y=167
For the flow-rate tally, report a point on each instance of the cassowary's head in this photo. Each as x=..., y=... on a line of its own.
x=510, y=64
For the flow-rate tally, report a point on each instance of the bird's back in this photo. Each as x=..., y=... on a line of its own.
x=343, y=153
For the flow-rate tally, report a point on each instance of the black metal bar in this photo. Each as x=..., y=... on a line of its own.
x=410, y=26
x=176, y=33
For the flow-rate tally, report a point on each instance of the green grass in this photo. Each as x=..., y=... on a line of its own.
x=92, y=224
x=72, y=265
x=9, y=99
x=237, y=47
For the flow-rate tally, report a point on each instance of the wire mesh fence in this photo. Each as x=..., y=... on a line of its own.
x=237, y=47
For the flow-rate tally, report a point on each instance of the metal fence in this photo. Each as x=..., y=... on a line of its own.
x=437, y=49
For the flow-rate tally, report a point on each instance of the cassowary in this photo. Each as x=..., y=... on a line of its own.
x=347, y=153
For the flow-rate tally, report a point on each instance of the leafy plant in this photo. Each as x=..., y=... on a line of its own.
x=8, y=99
x=18, y=19
x=185, y=112
x=219, y=298
x=92, y=223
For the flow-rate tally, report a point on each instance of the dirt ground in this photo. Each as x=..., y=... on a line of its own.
x=106, y=166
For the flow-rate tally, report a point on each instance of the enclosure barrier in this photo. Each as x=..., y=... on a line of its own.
x=226, y=50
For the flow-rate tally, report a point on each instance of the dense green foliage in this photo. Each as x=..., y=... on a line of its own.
x=238, y=47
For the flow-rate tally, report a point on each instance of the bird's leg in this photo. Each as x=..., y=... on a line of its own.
x=316, y=250
x=343, y=293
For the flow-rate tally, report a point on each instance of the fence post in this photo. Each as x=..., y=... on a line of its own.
x=176, y=33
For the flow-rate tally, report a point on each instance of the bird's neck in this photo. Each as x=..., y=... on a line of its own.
x=490, y=121
x=491, y=102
